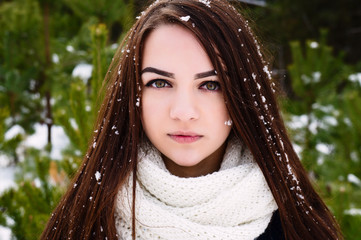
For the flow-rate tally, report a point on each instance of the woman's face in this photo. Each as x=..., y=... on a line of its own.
x=183, y=110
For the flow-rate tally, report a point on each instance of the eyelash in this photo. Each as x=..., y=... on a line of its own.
x=217, y=87
x=153, y=82
x=167, y=84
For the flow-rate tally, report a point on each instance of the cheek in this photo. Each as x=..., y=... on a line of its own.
x=222, y=129
x=151, y=112
x=145, y=114
x=218, y=116
x=216, y=109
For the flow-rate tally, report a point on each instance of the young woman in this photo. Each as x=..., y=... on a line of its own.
x=190, y=143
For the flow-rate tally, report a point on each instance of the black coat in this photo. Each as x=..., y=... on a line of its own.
x=274, y=230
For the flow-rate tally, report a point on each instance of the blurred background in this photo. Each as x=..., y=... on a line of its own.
x=54, y=56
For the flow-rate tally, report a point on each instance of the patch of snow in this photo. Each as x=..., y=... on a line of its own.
x=347, y=121
x=4, y=160
x=228, y=122
x=5, y=233
x=55, y=58
x=7, y=176
x=320, y=160
x=313, y=127
x=298, y=121
x=267, y=71
x=297, y=149
x=97, y=175
x=83, y=71
x=39, y=139
x=32, y=84
x=325, y=108
x=330, y=120
x=263, y=99
x=353, y=212
x=185, y=18
x=70, y=48
x=316, y=76
x=323, y=148
x=114, y=46
x=354, y=156
x=254, y=76
x=73, y=123
x=353, y=179
x=13, y=132
x=206, y=2
x=356, y=77
x=37, y=182
x=314, y=44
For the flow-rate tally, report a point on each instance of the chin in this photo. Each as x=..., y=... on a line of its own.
x=185, y=161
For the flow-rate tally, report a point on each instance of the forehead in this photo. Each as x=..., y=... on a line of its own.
x=174, y=46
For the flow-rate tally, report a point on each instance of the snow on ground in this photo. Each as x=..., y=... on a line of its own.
x=6, y=178
x=5, y=233
x=37, y=140
x=6, y=181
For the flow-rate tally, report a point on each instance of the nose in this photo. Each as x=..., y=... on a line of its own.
x=184, y=107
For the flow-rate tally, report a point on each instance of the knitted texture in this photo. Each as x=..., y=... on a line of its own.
x=232, y=203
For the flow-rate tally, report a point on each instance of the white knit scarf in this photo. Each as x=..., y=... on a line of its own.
x=233, y=203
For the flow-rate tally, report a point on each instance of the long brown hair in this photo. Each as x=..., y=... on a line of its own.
x=87, y=209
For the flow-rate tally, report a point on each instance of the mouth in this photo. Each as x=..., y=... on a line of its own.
x=185, y=137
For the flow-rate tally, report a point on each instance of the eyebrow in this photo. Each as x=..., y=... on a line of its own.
x=157, y=71
x=171, y=75
x=205, y=74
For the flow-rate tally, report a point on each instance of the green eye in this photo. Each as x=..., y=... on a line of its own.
x=211, y=86
x=158, y=83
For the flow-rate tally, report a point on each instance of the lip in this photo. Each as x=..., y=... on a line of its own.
x=185, y=137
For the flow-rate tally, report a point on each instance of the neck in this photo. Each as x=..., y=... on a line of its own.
x=208, y=165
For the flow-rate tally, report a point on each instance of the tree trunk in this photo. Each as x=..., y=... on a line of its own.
x=49, y=117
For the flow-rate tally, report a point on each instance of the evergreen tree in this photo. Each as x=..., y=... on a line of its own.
x=42, y=42
x=327, y=103
x=25, y=210
x=20, y=61
x=72, y=101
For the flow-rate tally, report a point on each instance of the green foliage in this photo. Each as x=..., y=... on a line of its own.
x=26, y=209
x=324, y=97
x=99, y=35
x=316, y=76
x=8, y=146
x=105, y=11
x=20, y=59
x=76, y=118
x=283, y=21
x=324, y=121
x=25, y=75
x=314, y=72
x=4, y=113
x=83, y=100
